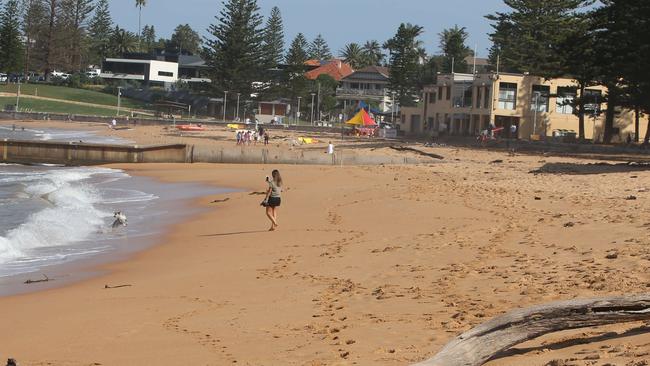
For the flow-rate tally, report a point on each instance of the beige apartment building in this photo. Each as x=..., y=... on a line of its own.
x=464, y=105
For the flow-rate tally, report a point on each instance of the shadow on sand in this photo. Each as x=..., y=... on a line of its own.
x=573, y=342
x=591, y=168
x=235, y=233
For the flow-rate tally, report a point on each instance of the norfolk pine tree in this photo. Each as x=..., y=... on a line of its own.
x=233, y=49
x=319, y=50
x=11, y=48
x=101, y=27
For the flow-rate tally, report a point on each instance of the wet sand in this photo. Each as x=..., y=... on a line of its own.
x=370, y=266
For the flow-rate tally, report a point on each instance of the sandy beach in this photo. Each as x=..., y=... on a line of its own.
x=370, y=266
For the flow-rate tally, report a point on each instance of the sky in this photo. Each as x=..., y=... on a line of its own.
x=339, y=21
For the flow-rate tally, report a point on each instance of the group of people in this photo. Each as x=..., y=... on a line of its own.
x=247, y=137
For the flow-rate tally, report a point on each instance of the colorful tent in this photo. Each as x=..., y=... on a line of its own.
x=362, y=119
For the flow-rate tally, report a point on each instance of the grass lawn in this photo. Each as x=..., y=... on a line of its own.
x=71, y=94
x=39, y=105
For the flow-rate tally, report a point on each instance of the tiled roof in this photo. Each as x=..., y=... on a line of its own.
x=337, y=69
x=370, y=73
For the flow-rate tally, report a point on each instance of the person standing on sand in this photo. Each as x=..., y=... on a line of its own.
x=266, y=138
x=273, y=199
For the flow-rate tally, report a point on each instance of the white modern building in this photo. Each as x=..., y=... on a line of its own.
x=148, y=71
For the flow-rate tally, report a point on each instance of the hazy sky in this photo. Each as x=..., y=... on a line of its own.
x=339, y=21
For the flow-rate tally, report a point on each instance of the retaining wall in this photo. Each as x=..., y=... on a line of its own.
x=305, y=157
x=46, y=152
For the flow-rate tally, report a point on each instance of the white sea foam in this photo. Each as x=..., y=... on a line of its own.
x=71, y=215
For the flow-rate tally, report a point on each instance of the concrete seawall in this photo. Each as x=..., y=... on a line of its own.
x=306, y=157
x=30, y=152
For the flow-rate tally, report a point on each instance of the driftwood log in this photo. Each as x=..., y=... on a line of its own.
x=475, y=347
x=420, y=152
x=45, y=279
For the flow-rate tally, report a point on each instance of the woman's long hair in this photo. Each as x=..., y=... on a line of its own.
x=277, y=178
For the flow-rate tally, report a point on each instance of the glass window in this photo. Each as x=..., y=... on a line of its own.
x=593, y=98
x=540, y=97
x=448, y=92
x=432, y=98
x=478, y=96
x=439, y=93
x=165, y=73
x=565, y=98
x=486, y=102
x=507, y=96
x=354, y=86
x=462, y=95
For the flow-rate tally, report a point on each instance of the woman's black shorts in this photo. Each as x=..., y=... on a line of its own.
x=274, y=202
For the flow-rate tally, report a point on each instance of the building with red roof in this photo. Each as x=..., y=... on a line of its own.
x=337, y=69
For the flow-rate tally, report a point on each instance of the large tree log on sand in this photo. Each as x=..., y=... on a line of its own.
x=477, y=346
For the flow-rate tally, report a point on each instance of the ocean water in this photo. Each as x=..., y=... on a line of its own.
x=55, y=215
x=25, y=132
x=52, y=217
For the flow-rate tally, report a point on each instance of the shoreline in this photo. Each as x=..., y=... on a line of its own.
x=371, y=265
x=92, y=266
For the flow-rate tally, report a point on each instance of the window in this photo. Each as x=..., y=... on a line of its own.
x=540, y=97
x=593, y=98
x=507, y=96
x=486, y=102
x=432, y=98
x=478, y=96
x=565, y=98
x=439, y=93
x=430, y=123
x=354, y=86
x=448, y=92
x=462, y=95
x=166, y=73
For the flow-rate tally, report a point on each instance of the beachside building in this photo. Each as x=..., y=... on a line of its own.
x=156, y=69
x=464, y=105
x=369, y=85
x=337, y=69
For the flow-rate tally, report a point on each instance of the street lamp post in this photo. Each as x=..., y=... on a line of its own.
x=312, y=108
x=225, y=103
x=298, y=112
x=18, y=96
x=238, y=94
x=119, y=100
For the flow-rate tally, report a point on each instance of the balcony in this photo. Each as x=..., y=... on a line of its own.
x=347, y=92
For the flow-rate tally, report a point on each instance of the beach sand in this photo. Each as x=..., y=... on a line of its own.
x=370, y=266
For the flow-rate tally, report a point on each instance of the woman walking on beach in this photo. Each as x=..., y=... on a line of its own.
x=273, y=198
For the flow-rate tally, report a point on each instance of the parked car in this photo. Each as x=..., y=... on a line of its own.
x=61, y=75
x=3, y=78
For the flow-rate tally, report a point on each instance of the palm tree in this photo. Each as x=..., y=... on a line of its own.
x=139, y=4
x=122, y=41
x=353, y=55
x=372, y=52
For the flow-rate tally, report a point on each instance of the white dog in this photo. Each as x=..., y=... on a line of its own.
x=120, y=219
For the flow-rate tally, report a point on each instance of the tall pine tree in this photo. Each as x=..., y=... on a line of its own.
x=295, y=83
x=100, y=31
x=274, y=39
x=526, y=37
x=76, y=14
x=404, y=63
x=319, y=50
x=577, y=51
x=234, y=49
x=11, y=47
x=33, y=31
